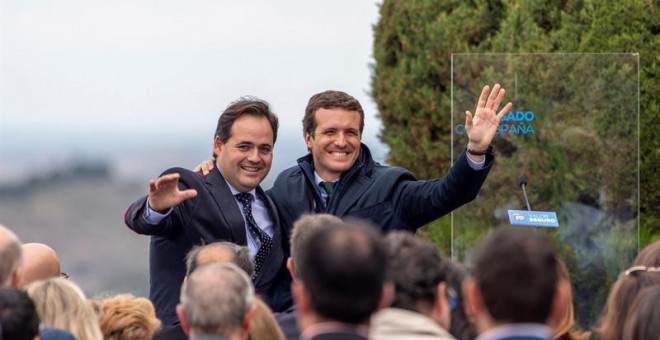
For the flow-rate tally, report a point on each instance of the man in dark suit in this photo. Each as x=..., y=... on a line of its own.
x=184, y=208
x=341, y=278
x=516, y=293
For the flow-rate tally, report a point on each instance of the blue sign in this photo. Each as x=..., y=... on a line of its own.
x=533, y=218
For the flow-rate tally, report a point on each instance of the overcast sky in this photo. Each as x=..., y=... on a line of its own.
x=110, y=75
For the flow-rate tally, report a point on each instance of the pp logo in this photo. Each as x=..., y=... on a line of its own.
x=518, y=217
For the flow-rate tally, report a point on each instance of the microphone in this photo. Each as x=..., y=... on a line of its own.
x=531, y=217
x=523, y=182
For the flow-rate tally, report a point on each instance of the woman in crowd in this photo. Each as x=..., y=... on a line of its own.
x=645, y=272
x=263, y=325
x=61, y=304
x=126, y=317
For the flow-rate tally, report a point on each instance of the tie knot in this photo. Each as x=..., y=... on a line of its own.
x=329, y=187
x=245, y=198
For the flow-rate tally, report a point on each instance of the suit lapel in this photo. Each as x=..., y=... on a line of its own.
x=352, y=194
x=227, y=206
x=276, y=256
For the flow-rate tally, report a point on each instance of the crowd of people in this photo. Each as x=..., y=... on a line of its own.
x=349, y=282
x=329, y=252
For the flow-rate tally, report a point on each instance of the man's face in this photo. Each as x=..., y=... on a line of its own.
x=246, y=157
x=335, y=144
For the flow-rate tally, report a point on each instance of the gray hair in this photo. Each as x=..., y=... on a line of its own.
x=11, y=255
x=216, y=298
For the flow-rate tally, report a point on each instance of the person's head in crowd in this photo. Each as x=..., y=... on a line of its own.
x=566, y=328
x=217, y=299
x=126, y=317
x=305, y=226
x=643, y=321
x=649, y=256
x=245, y=136
x=18, y=316
x=419, y=275
x=263, y=325
x=11, y=258
x=460, y=327
x=341, y=274
x=219, y=252
x=644, y=273
x=515, y=280
x=62, y=304
x=40, y=262
x=333, y=120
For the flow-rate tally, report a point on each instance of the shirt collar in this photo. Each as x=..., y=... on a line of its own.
x=520, y=329
x=320, y=180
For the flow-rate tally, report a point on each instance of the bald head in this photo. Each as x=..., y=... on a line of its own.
x=219, y=252
x=40, y=262
x=10, y=258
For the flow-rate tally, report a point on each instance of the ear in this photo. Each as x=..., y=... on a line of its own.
x=441, y=308
x=16, y=278
x=472, y=300
x=387, y=296
x=308, y=139
x=560, y=302
x=217, y=146
x=292, y=268
x=249, y=315
x=181, y=313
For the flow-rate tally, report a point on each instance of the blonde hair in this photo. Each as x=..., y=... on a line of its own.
x=62, y=304
x=263, y=325
x=126, y=317
x=566, y=328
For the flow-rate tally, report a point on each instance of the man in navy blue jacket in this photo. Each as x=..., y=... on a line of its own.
x=184, y=208
x=340, y=177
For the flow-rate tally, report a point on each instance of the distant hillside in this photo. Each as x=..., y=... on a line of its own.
x=81, y=217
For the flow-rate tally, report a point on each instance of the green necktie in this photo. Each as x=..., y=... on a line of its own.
x=329, y=189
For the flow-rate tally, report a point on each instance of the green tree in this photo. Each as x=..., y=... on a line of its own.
x=411, y=84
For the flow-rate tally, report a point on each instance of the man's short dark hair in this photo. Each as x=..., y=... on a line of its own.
x=245, y=105
x=241, y=256
x=18, y=315
x=330, y=100
x=305, y=226
x=343, y=270
x=416, y=268
x=516, y=273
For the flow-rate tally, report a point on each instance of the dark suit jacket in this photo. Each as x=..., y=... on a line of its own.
x=213, y=215
x=288, y=323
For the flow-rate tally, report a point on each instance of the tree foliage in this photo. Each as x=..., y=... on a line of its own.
x=411, y=84
x=411, y=81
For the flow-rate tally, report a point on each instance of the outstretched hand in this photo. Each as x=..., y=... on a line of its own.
x=205, y=167
x=482, y=126
x=164, y=192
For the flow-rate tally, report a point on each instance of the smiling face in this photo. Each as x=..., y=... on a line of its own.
x=335, y=142
x=245, y=158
